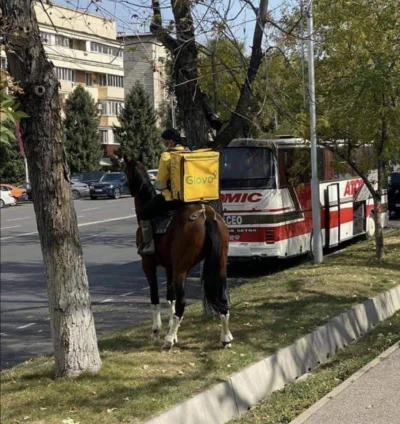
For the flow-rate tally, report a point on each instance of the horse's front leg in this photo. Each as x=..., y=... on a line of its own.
x=178, y=286
x=150, y=270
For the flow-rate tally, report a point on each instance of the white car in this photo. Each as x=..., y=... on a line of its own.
x=6, y=199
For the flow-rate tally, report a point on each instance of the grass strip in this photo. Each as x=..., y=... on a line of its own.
x=138, y=381
x=285, y=405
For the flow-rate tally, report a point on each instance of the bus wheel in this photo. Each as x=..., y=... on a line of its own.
x=370, y=227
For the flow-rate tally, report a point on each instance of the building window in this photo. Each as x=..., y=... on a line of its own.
x=102, y=79
x=60, y=40
x=111, y=108
x=46, y=37
x=89, y=79
x=65, y=74
x=115, y=81
x=3, y=63
x=103, y=136
x=102, y=48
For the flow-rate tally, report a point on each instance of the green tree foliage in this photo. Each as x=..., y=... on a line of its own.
x=9, y=114
x=278, y=95
x=358, y=85
x=137, y=132
x=222, y=67
x=12, y=167
x=81, y=132
x=359, y=74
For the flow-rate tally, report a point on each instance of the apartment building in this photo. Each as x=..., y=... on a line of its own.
x=85, y=51
x=145, y=61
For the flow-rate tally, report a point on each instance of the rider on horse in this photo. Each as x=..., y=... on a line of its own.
x=162, y=202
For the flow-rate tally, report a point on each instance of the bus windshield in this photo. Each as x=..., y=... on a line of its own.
x=247, y=167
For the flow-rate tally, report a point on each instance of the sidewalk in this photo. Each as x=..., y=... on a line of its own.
x=370, y=396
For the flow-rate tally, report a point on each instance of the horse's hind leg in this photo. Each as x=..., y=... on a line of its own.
x=150, y=269
x=223, y=304
x=171, y=299
x=178, y=285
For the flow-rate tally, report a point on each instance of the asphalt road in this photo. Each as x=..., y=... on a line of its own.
x=394, y=223
x=119, y=291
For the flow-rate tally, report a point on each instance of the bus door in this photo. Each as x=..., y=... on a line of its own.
x=332, y=215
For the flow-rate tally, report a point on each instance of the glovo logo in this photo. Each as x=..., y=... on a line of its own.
x=198, y=180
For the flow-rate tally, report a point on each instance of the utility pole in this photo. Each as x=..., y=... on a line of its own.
x=303, y=75
x=316, y=207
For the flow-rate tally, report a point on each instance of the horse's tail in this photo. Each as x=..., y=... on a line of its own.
x=214, y=274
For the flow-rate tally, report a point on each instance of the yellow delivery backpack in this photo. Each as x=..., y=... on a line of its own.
x=195, y=175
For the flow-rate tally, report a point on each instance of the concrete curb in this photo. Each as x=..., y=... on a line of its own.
x=337, y=390
x=248, y=387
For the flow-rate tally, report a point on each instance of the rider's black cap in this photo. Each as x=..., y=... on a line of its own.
x=171, y=134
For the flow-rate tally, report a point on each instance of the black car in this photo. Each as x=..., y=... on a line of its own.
x=112, y=185
x=394, y=193
x=88, y=178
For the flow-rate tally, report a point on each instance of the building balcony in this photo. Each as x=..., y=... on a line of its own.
x=116, y=93
x=108, y=121
x=89, y=61
x=66, y=86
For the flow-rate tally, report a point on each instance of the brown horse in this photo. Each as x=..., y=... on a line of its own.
x=196, y=233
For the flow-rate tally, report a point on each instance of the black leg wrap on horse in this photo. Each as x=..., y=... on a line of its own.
x=154, y=297
x=180, y=302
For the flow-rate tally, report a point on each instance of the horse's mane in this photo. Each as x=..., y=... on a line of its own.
x=139, y=181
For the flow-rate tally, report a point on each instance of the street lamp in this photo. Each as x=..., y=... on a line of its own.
x=315, y=202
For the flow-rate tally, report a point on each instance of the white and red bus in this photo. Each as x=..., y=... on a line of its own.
x=266, y=197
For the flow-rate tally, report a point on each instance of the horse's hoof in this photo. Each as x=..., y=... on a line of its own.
x=155, y=335
x=167, y=346
x=226, y=345
x=226, y=338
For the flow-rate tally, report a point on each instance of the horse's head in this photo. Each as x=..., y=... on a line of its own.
x=138, y=179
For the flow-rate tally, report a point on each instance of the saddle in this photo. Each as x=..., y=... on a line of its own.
x=161, y=223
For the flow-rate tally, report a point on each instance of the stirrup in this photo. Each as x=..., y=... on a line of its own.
x=147, y=249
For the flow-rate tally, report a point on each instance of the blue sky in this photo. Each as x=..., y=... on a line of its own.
x=132, y=16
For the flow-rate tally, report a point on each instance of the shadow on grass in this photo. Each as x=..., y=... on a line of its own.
x=139, y=380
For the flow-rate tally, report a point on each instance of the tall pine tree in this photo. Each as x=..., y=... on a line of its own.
x=12, y=168
x=137, y=134
x=81, y=132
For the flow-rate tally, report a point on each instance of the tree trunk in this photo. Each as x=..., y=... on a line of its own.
x=72, y=324
x=194, y=105
x=239, y=123
x=379, y=243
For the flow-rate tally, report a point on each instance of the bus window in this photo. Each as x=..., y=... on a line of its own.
x=247, y=167
x=294, y=166
x=328, y=166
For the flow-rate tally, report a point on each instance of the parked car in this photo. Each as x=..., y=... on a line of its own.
x=112, y=184
x=12, y=190
x=153, y=175
x=394, y=193
x=6, y=199
x=88, y=178
x=27, y=187
x=79, y=190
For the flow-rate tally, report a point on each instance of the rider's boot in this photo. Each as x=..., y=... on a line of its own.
x=147, y=247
